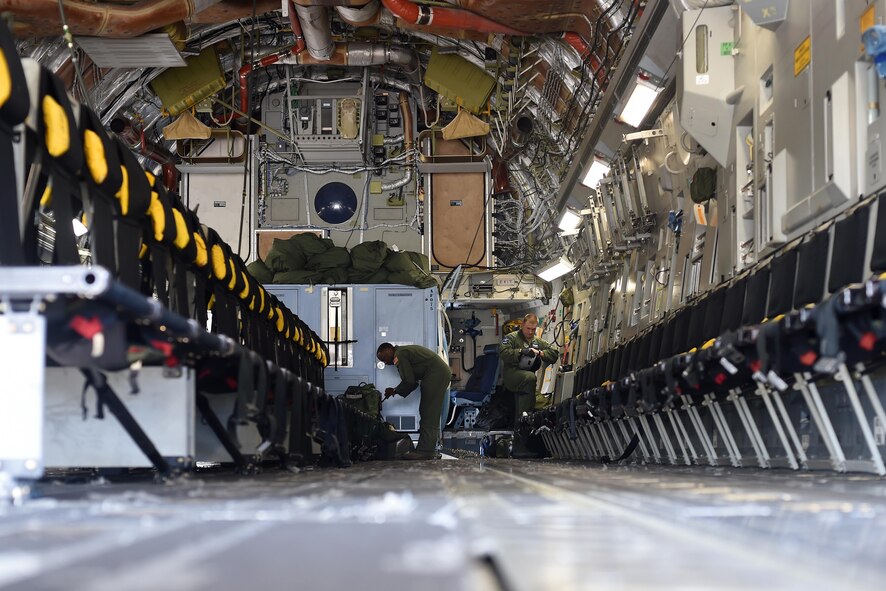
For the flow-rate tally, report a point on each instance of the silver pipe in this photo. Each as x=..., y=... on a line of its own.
x=358, y=16
x=315, y=27
x=374, y=54
x=392, y=82
x=521, y=129
x=404, y=180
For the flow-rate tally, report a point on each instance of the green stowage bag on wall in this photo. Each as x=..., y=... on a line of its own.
x=703, y=186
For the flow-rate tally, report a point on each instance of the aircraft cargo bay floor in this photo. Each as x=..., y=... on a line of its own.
x=453, y=525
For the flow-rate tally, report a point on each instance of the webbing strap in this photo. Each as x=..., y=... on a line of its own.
x=11, y=252
x=298, y=425
x=128, y=243
x=108, y=397
x=224, y=314
x=160, y=273
x=216, y=425
x=281, y=406
x=180, y=289
x=101, y=234
x=632, y=446
x=261, y=382
x=670, y=380
x=200, y=299
x=35, y=184
x=827, y=328
x=65, y=250
x=245, y=384
x=573, y=434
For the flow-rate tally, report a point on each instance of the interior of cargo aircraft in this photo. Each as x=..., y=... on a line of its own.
x=493, y=295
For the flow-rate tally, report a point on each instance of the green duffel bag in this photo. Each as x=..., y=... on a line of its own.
x=259, y=270
x=419, y=260
x=298, y=277
x=335, y=276
x=369, y=257
x=336, y=257
x=311, y=244
x=703, y=186
x=364, y=397
x=399, y=262
x=285, y=255
x=355, y=276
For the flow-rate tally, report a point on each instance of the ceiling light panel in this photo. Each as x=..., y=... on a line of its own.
x=641, y=100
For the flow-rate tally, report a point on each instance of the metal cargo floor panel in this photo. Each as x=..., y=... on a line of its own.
x=451, y=525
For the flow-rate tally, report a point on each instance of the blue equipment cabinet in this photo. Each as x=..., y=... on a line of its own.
x=363, y=317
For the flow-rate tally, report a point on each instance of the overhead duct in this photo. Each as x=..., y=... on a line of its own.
x=406, y=117
x=521, y=129
x=396, y=184
x=359, y=54
x=447, y=18
x=408, y=145
x=103, y=19
x=315, y=27
x=360, y=16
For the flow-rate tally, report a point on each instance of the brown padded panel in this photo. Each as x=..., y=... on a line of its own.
x=457, y=209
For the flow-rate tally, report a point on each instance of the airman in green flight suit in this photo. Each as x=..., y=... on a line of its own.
x=520, y=381
x=417, y=364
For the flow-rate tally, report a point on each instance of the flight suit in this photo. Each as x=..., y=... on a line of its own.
x=419, y=364
x=521, y=381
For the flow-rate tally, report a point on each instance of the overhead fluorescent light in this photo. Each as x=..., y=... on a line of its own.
x=639, y=103
x=554, y=269
x=596, y=172
x=569, y=220
x=574, y=232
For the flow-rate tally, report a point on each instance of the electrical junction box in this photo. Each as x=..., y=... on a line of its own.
x=490, y=288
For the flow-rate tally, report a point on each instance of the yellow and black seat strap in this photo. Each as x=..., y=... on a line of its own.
x=11, y=247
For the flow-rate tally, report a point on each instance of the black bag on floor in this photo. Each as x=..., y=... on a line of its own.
x=332, y=433
x=393, y=444
x=498, y=413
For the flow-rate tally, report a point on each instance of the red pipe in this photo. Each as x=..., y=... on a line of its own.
x=585, y=53
x=270, y=59
x=450, y=18
x=124, y=128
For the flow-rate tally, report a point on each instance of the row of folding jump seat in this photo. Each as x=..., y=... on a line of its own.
x=779, y=367
x=146, y=299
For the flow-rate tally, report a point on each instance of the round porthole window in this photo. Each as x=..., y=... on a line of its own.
x=335, y=203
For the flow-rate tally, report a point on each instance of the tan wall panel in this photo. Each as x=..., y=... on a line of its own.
x=457, y=211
